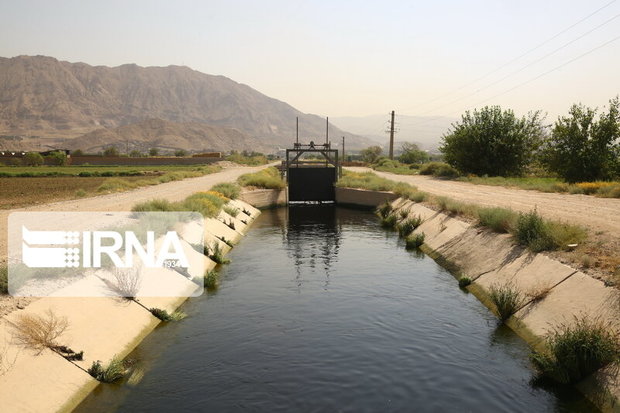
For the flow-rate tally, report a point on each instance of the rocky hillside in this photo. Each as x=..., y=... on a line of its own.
x=45, y=97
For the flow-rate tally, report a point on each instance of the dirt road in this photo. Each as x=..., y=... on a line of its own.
x=598, y=214
x=123, y=201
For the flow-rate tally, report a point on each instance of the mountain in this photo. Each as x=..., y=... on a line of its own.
x=426, y=131
x=166, y=135
x=43, y=97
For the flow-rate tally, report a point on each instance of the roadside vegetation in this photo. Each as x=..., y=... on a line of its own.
x=247, y=158
x=529, y=229
x=578, y=154
x=268, y=178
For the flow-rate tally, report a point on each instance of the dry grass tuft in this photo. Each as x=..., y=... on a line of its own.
x=39, y=332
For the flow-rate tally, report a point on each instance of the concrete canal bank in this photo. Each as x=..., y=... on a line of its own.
x=554, y=293
x=103, y=328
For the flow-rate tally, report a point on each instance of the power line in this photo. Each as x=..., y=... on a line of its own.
x=521, y=55
x=533, y=78
x=527, y=65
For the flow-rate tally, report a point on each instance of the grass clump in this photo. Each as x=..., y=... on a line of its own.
x=228, y=189
x=268, y=178
x=116, y=185
x=115, y=370
x=404, y=213
x=154, y=205
x=498, y=219
x=211, y=279
x=80, y=193
x=164, y=315
x=414, y=241
x=506, y=299
x=464, y=282
x=540, y=235
x=209, y=204
x=391, y=221
x=215, y=253
x=407, y=226
x=384, y=210
x=574, y=351
x=230, y=210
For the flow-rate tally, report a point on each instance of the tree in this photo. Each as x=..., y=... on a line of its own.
x=180, y=152
x=135, y=154
x=371, y=154
x=411, y=153
x=77, y=152
x=33, y=159
x=57, y=158
x=490, y=141
x=110, y=151
x=582, y=148
x=153, y=152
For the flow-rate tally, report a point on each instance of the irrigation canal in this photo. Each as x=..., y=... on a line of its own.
x=323, y=310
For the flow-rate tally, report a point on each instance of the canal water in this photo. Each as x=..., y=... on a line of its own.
x=322, y=310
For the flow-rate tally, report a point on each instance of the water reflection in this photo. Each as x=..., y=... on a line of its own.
x=312, y=239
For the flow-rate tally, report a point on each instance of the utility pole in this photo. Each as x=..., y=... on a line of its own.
x=343, y=158
x=297, y=130
x=392, y=137
x=327, y=130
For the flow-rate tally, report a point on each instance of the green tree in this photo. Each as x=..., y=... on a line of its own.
x=77, y=152
x=153, y=152
x=180, y=152
x=492, y=141
x=371, y=154
x=135, y=154
x=33, y=159
x=411, y=154
x=58, y=158
x=582, y=148
x=110, y=151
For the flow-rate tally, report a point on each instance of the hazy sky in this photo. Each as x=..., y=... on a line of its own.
x=341, y=58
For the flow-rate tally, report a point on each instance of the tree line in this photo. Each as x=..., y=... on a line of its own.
x=581, y=146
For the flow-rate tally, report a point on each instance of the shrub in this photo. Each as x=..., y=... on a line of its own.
x=38, y=332
x=33, y=159
x=574, y=351
x=404, y=213
x=464, y=282
x=211, y=280
x=57, y=158
x=80, y=193
x=414, y=241
x=111, y=151
x=498, y=219
x=431, y=168
x=268, y=178
x=407, y=226
x=126, y=282
x=506, y=299
x=115, y=370
x=163, y=315
x=229, y=190
x=492, y=141
x=446, y=171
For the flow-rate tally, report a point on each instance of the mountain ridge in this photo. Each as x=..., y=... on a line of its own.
x=43, y=96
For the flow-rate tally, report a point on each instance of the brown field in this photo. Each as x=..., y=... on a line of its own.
x=21, y=192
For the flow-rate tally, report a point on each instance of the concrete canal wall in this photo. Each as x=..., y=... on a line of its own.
x=102, y=327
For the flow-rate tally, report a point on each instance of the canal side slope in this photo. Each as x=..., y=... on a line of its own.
x=555, y=293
